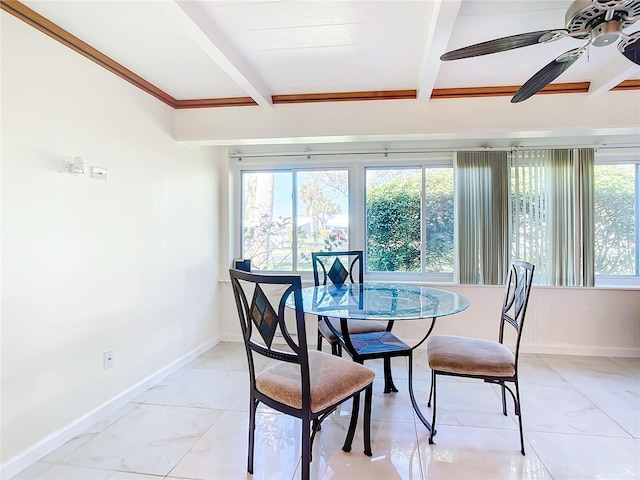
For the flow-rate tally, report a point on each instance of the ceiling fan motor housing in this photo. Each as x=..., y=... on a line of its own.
x=603, y=20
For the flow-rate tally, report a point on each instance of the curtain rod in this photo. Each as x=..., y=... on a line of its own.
x=385, y=152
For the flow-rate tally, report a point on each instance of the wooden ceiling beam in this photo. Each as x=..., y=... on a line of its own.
x=507, y=90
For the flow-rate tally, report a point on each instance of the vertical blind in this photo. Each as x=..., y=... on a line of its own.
x=552, y=213
x=536, y=207
x=483, y=219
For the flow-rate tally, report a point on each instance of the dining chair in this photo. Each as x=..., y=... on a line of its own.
x=491, y=361
x=338, y=268
x=304, y=383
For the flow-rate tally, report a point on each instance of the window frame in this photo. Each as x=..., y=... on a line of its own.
x=355, y=164
x=294, y=208
x=417, y=275
x=623, y=157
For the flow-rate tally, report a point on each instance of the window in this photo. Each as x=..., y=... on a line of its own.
x=439, y=220
x=616, y=210
x=322, y=200
x=393, y=219
x=267, y=223
x=287, y=214
x=403, y=215
x=404, y=233
x=574, y=213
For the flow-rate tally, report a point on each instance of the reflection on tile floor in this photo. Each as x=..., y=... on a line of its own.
x=581, y=417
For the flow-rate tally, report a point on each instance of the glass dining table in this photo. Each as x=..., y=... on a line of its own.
x=382, y=302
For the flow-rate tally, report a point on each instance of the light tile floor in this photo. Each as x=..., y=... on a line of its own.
x=581, y=418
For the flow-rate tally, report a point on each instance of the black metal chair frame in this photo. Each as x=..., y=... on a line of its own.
x=516, y=299
x=344, y=337
x=318, y=265
x=298, y=355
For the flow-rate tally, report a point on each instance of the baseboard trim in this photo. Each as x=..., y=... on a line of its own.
x=582, y=350
x=574, y=350
x=231, y=337
x=56, y=439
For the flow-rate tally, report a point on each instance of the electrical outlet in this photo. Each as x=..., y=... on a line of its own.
x=99, y=173
x=107, y=358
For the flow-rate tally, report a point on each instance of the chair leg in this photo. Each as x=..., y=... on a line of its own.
x=433, y=419
x=319, y=341
x=352, y=424
x=253, y=406
x=305, y=462
x=519, y=413
x=504, y=399
x=367, y=420
x=388, y=379
x=516, y=400
x=430, y=391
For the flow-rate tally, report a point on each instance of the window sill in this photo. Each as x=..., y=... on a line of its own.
x=618, y=282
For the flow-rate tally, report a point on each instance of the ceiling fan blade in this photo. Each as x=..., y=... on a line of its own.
x=630, y=47
x=505, y=43
x=547, y=74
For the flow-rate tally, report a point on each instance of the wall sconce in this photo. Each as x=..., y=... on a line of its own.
x=74, y=165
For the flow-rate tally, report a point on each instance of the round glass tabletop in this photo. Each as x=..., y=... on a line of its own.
x=380, y=301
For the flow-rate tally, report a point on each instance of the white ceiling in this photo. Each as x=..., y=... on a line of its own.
x=225, y=49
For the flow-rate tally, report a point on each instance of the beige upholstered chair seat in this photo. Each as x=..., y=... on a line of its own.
x=332, y=379
x=355, y=326
x=471, y=356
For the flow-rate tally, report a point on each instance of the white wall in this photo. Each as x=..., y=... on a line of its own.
x=129, y=264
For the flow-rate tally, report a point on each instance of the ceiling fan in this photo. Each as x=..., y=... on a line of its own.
x=600, y=22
